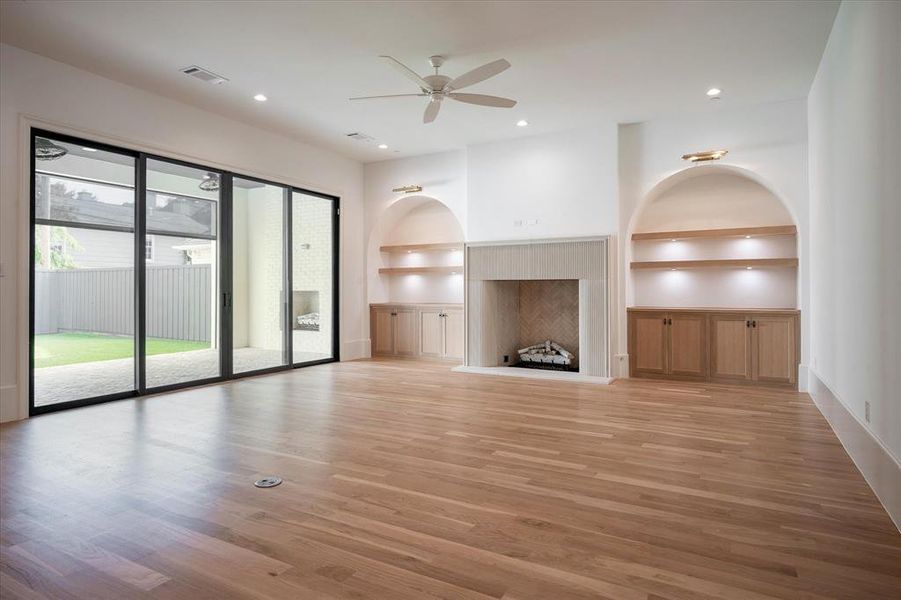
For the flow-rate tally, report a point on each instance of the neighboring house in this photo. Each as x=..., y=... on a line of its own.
x=94, y=248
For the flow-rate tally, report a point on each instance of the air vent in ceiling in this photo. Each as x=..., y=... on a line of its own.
x=361, y=137
x=204, y=75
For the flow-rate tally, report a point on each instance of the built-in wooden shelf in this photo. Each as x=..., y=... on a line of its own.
x=421, y=270
x=441, y=247
x=716, y=233
x=716, y=263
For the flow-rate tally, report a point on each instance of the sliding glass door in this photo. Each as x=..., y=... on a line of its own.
x=313, y=290
x=181, y=274
x=83, y=303
x=259, y=298
x=150, y=274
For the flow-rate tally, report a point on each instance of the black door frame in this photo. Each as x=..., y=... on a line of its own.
x=224, y=237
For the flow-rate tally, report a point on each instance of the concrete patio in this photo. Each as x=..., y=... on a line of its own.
x=53, y=385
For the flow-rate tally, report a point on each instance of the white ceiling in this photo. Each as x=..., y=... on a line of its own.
x=574, y=63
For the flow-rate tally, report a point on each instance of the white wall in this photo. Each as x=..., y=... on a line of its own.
x=711, y=199
x=767, y=143
x=74, y=101
x=553, y=185
x=855, y=204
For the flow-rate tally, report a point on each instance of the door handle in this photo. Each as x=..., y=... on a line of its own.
x=747, y=323
x=753, y=323
x=669, y=321
x=664, y=320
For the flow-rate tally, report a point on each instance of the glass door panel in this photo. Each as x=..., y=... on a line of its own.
x=181, y=253
x=312, y=282
x=83, y=338
x=259, y=301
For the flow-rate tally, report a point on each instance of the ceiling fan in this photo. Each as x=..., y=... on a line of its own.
x=438, y=87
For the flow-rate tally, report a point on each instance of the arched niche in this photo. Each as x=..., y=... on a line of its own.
x=712, y=197
x=415, y=220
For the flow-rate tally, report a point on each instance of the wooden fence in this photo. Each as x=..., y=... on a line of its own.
x=179, y=301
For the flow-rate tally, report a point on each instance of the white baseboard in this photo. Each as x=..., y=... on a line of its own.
x=534, y=374
x=355, y=349
x=875, y=462
x=9, y=404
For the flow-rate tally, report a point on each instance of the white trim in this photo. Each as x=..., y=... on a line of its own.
x=873, y=458
x=535, y=374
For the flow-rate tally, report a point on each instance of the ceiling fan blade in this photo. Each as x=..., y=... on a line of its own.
x=431, y=111
x=478, y=74
x=483, y=100
x=407, y=72
x=388, y=96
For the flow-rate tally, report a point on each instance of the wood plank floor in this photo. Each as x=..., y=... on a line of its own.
x=404, y=480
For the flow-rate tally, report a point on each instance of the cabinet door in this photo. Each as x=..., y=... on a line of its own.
x=406, y=340
x=648, y=343
x=382, y=331
x=453, y=334
x=687, y=348
x=775, y=358
x=431, y=332
x=730, y=347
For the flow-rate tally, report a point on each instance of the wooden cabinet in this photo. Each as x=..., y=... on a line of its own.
x=393, y=331
x=773, y=340
x=730, y=347
x=381, y=323
x=417, y=330
x=441, y=332
x=686, y=350
x=431, y=327
x=406, y=336
x=454, y=327
x=668, y=343
x=715, y=345
x=648, y=343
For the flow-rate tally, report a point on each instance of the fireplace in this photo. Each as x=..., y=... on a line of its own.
x=545, y=313
x=545, y=295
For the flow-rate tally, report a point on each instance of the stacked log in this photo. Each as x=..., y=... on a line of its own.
x=546, y=352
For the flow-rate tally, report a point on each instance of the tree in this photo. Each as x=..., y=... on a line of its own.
x=60, y=243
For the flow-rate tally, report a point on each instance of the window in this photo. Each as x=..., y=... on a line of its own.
x=148, y=248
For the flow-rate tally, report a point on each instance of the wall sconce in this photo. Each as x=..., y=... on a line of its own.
x=707, y=156
x=408, y=189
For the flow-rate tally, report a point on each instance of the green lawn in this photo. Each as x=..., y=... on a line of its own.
x=55, y=349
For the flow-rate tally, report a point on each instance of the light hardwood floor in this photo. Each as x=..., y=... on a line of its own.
x=404, y=480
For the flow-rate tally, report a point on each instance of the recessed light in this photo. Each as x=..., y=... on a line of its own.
x=260, y=98
x=713, y=92
x=749, y=268
x=90, y=149
x=522, y=123
x=674, y=269
x=673, y=240
x=383, y=146
x=747, y=237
